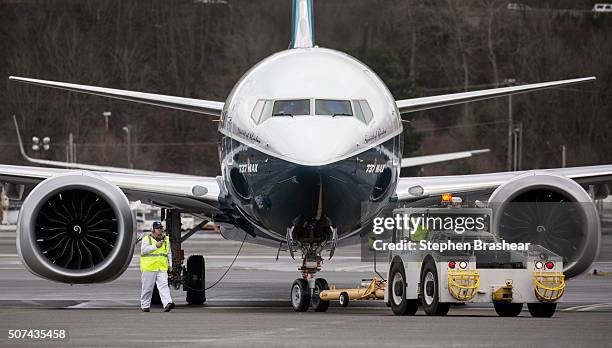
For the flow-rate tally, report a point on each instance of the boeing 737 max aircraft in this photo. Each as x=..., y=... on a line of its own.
x=310, y=151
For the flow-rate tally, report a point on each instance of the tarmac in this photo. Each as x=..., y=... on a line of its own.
x=250, y=307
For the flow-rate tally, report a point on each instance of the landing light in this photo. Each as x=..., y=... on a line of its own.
x=416, y=191
x=463, y=265
x=199, y=191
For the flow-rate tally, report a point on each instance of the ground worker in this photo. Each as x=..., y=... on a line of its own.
x=155, y=261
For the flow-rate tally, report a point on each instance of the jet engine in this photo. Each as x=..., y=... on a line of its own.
x=552, y=211
x=76, y=228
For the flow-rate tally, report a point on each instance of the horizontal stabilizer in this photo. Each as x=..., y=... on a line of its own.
x=429, y=159
x=208, y=107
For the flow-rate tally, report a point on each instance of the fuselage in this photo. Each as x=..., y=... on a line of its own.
x=310, y=140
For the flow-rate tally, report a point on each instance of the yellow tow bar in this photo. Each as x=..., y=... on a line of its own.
x=374, y=291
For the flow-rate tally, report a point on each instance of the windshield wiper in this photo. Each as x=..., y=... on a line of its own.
x=341, y=114
x=282, y=114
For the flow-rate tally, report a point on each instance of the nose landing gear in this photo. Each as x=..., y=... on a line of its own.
x=304, y=296
x=305, y=291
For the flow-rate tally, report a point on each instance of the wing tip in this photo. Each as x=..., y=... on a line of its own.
x=18, y=78
x=585, y=79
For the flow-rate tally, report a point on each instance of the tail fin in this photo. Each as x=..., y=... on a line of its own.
x=302, y=25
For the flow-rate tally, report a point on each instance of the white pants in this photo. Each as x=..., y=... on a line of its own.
x=149, y=279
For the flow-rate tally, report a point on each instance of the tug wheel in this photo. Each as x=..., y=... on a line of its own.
x=344, y=299
x=505, y=309
x=400, y=305
x=542, y=310
x=300, y=295
x=430, y=294
x=315, y=301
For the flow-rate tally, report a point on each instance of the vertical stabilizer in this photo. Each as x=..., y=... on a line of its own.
x=302, y=25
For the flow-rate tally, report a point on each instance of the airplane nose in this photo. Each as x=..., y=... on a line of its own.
x=316, y=140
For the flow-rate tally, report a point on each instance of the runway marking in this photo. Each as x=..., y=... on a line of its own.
x=587, y=308
x=89, y=304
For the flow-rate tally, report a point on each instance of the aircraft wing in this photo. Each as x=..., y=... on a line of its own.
x=411, y=188
x=438, y=101
x=207, y=107
x=189, y=193
x=430, y=159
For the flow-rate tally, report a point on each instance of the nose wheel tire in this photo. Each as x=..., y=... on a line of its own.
x=315, y=301
x=430, y=291
x=542, y=310
x=505, y=309
x=400, y=305
x=300, y=295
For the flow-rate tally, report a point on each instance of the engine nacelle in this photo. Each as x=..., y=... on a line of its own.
x=552, y=211
x=76, y=228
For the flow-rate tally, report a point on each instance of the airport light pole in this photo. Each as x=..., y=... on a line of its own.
x=106, y=115
x=510, y=82
x=40, y=145
x=71, y=149
x=518, y=147
x=563, y=156
x=129, y=146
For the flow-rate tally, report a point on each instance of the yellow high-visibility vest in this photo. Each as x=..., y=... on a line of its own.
x=156, y=260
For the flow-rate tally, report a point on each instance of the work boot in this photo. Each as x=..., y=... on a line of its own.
x=145, y=309
x=169, y=307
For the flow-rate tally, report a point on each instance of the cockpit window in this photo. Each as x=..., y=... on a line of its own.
x=291, y=107
x=363, y=111
x=266, y=108
x=262, y=110
x=256, y=113
x=333, y=107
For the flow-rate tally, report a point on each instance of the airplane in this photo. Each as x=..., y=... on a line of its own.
x=310, y=150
